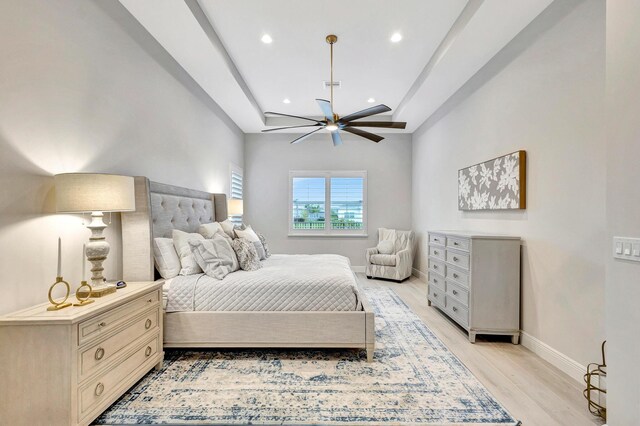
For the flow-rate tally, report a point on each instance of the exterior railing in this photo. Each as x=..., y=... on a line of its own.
x=321, y=225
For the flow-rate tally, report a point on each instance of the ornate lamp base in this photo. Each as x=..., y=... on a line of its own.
x=96, y=291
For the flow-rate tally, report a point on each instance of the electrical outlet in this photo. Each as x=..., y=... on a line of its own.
x=626, y=248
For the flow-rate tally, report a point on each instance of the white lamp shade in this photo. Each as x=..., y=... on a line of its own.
x=93, y=192
x=235, y=207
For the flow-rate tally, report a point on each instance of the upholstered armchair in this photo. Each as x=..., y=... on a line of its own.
x=393, y=257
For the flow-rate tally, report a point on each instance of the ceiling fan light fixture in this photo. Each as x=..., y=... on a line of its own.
x=396, y=37
x=371, y=100
x=266, y=39
x=286, y=101
x=332, y=127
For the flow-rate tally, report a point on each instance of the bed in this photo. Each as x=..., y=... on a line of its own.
x=294, y=301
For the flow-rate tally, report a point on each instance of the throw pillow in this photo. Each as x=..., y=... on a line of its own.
x=181, y=242
x=166, y=258
x=247, y=233
x=260, y=250
x=385, y=247
x=247, y=255
x=208, y=230
x=227, y=227
x=264, y=244
x=215, y=256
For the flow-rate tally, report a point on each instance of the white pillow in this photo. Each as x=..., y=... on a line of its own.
x=208, y=230
x=215, y=256
x=187, y=261
x=227, y=227
x=385, y=247
x=166, y=257
x=248, y=233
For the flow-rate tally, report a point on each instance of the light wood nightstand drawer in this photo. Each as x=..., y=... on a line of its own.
x=437, y=252
x=102, y=324
x=99, y=393
x=461, y=260
x=102, y=353
x=458, y=243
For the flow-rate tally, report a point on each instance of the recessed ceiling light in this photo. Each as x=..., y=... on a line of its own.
x=286, y=101
x=371, y=100
x=396, y=37
x=266, y=39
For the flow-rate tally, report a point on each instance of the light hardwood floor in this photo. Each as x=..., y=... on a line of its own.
x=531, y=389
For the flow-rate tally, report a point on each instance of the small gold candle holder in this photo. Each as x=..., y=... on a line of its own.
x=63, y=303
x=87, y=294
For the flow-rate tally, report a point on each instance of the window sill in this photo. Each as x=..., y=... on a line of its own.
x=318, y=235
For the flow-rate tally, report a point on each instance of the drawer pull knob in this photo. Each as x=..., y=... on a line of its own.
x=99, y=354
x=435, y=252
x=147, y=351
x=435, y=294
x=435, y=281
x=455, y=259
x=435, y=266
x=99, y=389
x=102, y=324
x=455, y=309
x=455, y=275
x=455, y=292
x=147, y=324
x=455, y=243
x=436, y=239
x=150, y=300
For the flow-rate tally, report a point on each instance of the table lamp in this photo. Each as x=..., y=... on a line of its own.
x=95, y=193
x=234, y=207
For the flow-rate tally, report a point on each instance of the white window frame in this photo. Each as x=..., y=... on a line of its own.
x=235, y=169
x=327, y=175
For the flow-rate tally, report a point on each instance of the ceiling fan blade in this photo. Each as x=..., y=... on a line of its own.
x=337, y=140
x=363, y=134
x=303, y=137
x=292, y=127
x=293, y=116
x=383, y=124
x=325, y=106
x=378, y=109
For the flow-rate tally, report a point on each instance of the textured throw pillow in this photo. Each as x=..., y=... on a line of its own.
x=215, y=256
x=247, y=255
x=166, y=258
x=188, y=263
x=208, y=230
x=263, y=240
x=385, y=247
x=227, y=227
x=260, y=250
x=247, y=233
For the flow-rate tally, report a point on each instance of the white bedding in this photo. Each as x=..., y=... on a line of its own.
x=322, y=282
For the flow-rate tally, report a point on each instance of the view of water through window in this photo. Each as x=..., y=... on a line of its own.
x=345, y=199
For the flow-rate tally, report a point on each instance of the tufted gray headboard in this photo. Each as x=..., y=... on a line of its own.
x=160, y=209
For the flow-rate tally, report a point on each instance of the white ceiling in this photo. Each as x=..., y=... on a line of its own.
x=445, y=42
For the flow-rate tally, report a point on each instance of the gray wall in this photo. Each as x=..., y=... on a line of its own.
x=270, y=157
x=543, y=94
x=84, y=88
x=623, y=205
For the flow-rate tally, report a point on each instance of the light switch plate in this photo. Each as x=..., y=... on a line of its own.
x=626, y=248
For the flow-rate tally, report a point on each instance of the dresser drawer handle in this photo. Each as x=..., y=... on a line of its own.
x=436, y=240
x=102, y=324
x=99, y=354
x=99, y=389
x=455, y=259
x=435, y=294
x=435, y=252
x=435, y=266
x=147, y=324
x=455, y=292
x=455, y=243
x=147, y=351
x=435, y=281
x=150, y=300
x=455, y=309
x=455, y=275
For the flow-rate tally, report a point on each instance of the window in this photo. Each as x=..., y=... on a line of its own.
x=328, y=203
x=235, y=191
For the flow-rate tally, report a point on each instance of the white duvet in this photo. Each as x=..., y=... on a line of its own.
x=319, y=282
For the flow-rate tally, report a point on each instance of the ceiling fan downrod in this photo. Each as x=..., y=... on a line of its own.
x=332, y=39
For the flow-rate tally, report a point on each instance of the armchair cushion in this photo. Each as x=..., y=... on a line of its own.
x=384, y=259
x=386, y=247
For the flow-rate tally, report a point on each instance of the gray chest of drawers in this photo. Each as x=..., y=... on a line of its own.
x=475, y=280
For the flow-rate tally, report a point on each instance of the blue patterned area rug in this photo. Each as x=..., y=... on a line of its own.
x=414, y=379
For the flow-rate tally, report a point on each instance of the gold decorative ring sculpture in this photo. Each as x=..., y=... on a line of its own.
x=63, y=303
x=84, y=300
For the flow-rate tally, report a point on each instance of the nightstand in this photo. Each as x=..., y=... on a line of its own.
x=66, y=367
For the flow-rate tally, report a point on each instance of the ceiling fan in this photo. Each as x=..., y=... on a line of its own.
x=335, y=123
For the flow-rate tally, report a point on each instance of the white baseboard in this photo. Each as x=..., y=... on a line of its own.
x=559, y=360
x=357, y=269
x=419, y=274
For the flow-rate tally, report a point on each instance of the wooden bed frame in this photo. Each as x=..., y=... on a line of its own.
x=160, y=208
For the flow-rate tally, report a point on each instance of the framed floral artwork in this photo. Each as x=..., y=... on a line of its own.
x=498, y=184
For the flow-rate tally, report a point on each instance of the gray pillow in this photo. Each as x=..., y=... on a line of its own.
x=262, y=255
x=215, y=256
x=264, y=244
x=247, y=254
